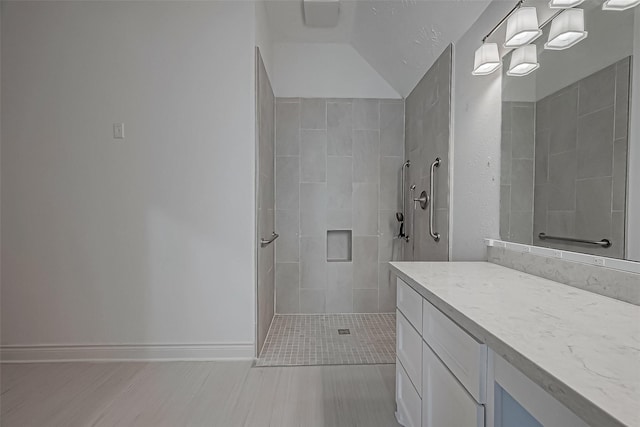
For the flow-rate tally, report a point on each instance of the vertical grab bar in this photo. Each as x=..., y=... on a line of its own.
x=434, y=235
x=402, y=182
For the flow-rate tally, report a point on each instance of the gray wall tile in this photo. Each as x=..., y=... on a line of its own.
x=287, y=288
x=288, y=244
x=365, y=300
x=366, y=114
x=623, y=73
x=595, y=144
x=339, y=183
x=597, y=91
x=562, y=185
x=390, y=169
x=521, y=230
x=334, y=182
x=593, y=208
x=313, y=262
x=427, y=122
x=287, y=128
x=313, y=156
x=568, y=200
x=561, y=223
x=620, y=149
x=522, y=185
x=505, y=156
x=505, y=211
x=563, y=121
x=339, y=219
x=287, y=183
x=365, y=209
x=313, y=113
x=617, y=234
x=339, y=128
x=523, y=131
x=366, y=155
x=389, y=247
x=391, y=129
x=340, y=287
x=312, y=301
x=365, y=262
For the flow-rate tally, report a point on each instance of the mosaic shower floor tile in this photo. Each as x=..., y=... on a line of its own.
x=330, y=339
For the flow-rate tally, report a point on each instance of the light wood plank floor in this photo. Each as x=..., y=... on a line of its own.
x=198, y=394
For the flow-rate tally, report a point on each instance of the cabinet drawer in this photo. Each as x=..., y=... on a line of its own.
x=445, y=402
x=409, y=350
x=410, y=304
x=409, y=403
x=465, y=357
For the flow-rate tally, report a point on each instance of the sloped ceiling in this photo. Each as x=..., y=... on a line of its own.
x=401, y=39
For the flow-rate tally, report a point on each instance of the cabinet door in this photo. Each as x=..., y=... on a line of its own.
x=445, y=402
x=409, y=350
x=407, y=399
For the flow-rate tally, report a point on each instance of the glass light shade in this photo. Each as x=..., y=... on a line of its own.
x=620, y=4
x=487, y=59
x=567, y=29
x=524, y=60
x=564, y=4
x=522, y=27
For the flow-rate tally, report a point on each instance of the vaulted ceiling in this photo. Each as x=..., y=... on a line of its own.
x=400, y=39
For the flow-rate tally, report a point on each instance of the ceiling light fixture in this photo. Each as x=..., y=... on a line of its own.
x=564, y=4
x=620, y=4
x=522, y=27
x=567, y=29
x=487, y=59
x=524, y=61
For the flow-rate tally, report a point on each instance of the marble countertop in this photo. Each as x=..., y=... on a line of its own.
x=582, y=348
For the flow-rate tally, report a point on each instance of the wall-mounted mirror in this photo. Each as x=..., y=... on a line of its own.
x=564, y=142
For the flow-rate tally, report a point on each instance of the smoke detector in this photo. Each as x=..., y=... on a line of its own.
x=321, y=13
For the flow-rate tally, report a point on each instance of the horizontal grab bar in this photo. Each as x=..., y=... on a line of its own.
x=605, y=243
x=264, y=242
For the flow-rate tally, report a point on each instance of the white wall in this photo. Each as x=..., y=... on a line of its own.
x=633, y=183
x=325, y=70
x=475, y=144
x=263, y=35
x=145, y=241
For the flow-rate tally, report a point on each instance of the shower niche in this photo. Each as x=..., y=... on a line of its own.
x=339, y=244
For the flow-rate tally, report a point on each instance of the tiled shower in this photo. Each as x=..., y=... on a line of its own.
x=338, y=173
x=337, y=191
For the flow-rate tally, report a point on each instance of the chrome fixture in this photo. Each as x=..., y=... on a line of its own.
x=423, y=200
x=434, y=235
x=605, y=243
x=401, y=215
x=266, y=242
x=412, y=190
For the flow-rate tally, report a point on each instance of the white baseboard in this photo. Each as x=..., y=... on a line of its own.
x=127, y=352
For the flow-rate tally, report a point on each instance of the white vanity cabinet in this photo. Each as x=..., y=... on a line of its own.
x=440, y=371
x=445, y=402
x=446, y=378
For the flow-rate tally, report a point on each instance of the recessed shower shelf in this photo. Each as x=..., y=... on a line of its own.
x=339, y=245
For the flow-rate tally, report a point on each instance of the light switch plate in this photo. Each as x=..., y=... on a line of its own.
x=118, y=131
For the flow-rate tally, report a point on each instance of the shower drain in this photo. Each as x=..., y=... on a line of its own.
x=344, y=332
